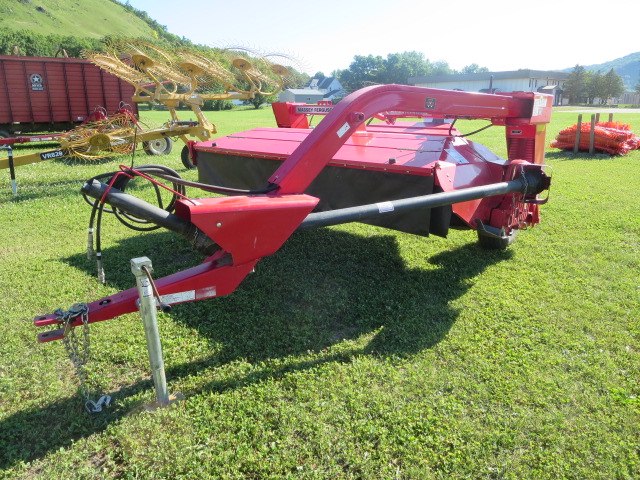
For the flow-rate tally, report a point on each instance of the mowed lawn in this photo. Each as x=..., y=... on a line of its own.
x=352, y=353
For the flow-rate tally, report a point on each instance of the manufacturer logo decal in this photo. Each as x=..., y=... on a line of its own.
x=314, y=110
x=430, y=103
x=36, y=82
x=50, y=155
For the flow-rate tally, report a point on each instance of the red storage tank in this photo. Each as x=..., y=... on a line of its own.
x=43, y=94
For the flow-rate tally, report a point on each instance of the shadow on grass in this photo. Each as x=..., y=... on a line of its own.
x=322, y=287
x=567, y=155
x=41, y=189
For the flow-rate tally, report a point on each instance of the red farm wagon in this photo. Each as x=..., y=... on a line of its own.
x=46, y=94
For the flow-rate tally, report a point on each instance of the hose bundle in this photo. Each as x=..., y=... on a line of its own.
x=120, y=179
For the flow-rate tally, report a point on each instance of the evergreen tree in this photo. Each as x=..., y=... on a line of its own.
x=576, y=86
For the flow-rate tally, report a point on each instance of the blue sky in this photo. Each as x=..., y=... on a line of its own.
x=497, y=34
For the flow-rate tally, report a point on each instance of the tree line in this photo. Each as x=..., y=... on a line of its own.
x=32, y=44
x=395, y=68
x=583, y=86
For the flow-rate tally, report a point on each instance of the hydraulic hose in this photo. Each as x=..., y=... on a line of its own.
x=144, y=210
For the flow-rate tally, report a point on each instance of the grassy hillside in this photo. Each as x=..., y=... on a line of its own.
x=628, y=67
x=85, y=18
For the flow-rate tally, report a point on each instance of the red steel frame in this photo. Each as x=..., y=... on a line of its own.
x=248, y=228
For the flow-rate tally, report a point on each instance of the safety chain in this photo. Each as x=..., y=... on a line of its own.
x=79, y=352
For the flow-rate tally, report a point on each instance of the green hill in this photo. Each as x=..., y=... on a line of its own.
x=41, y=27
x=78, y=18
x=628, y=67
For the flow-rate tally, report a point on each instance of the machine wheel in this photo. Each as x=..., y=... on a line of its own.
x=5, y=134
x=186, y=159
x=159, y=146
x=496, y=243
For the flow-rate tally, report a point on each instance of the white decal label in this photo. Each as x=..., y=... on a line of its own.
x=385, y=207
x=344, y=129
x=146, y=287
x=539, y=104
x=179, y=297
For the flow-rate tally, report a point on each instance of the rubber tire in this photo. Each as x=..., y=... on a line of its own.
x=159, y=146
x=5, y=134
x=186, y=160
x=493, y=243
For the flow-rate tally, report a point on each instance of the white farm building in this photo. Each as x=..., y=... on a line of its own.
x=514, y=81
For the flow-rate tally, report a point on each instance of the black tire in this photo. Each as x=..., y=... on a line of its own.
x=496, y=243
x=159, y=146
x=5, y=134
x=186, y=159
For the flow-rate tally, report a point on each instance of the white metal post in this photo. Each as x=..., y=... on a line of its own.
x=150, y=321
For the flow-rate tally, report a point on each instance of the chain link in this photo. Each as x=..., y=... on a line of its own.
x=526, y=183
x=79, y=350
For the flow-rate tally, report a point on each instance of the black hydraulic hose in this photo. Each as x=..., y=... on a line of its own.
x=217, y=188
x=170, y=175
x=526, y=184
x=143, y=210
x=121, y=183
x=100, y=208
x=466, y=134
x=139, y=221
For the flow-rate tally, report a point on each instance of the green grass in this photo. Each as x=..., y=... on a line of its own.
x=226, y=121
x=86, y=18
x=353, y=352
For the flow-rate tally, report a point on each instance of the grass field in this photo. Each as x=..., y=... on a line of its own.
x=352, y=353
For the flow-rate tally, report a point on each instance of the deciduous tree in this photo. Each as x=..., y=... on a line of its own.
x=474, y=68
x=614, y=86
x=396, y=68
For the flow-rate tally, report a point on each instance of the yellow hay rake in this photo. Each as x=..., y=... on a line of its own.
x=188, y=77
x=171, y=78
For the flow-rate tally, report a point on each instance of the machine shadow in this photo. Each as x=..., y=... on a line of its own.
x=322, y=287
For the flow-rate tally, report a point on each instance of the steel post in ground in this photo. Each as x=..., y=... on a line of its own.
x=592, y=135
x=150, y=321
x=12, y=169
x=576, y=145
